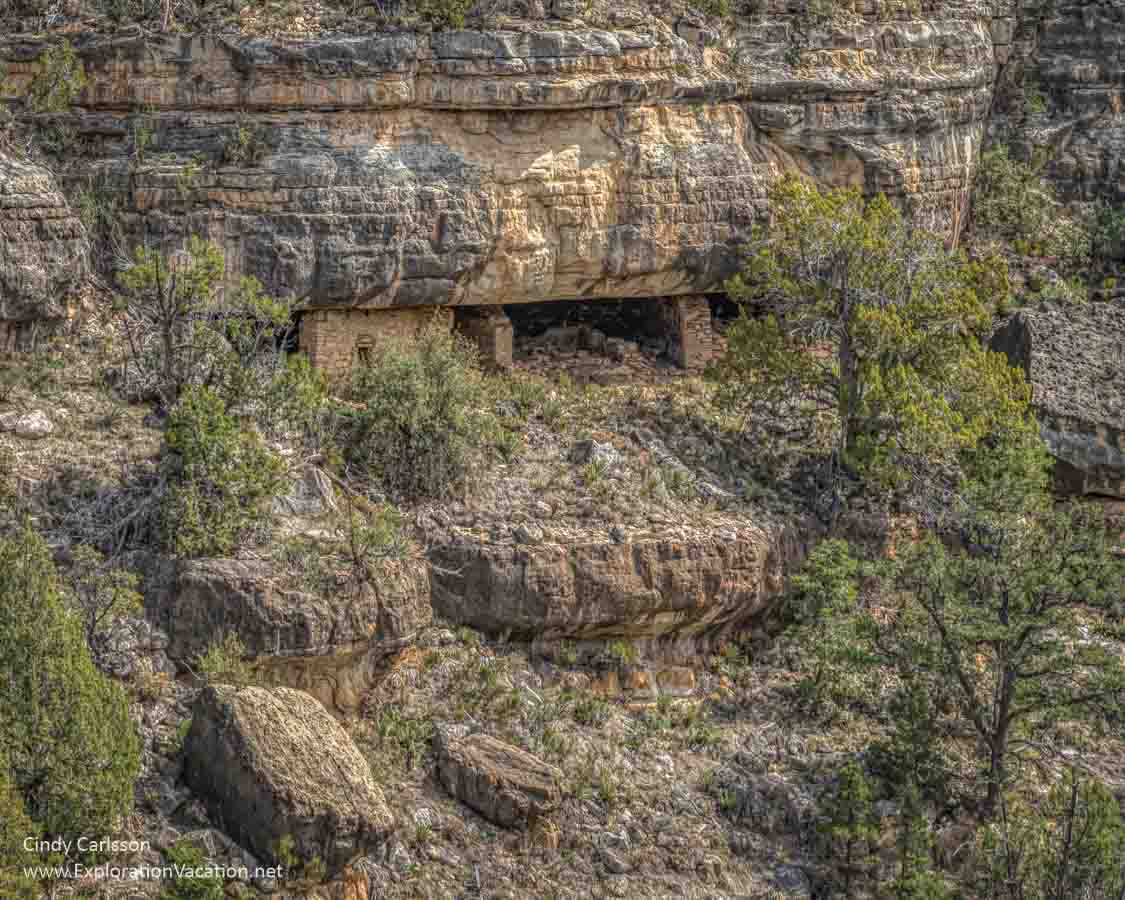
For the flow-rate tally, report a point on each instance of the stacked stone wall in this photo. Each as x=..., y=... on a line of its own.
x=335, y=339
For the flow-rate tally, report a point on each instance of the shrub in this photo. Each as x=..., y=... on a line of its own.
x=58, y=82
x=224, y=662
x=1012, y=202
x=181, y=329
x=15, y=828
x=874, y=333
x=225, y=481
x=246, y=145
x=188, y=887
x=848, y=827
x=422, y=419
x=444, y=14
x=101, y=591
x=72, y=749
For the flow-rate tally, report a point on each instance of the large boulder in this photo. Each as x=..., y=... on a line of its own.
x=44, y=247
x=330, y=642
x=678, y=590
x=506, y=785
x=1074, y=359
x=273, y=763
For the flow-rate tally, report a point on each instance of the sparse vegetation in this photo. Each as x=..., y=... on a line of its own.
x=871, y=344
x=222, y=481
x=59, y=80
x=225, y=662
x=421, y=417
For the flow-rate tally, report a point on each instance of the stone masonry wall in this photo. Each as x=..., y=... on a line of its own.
x=335, y=338
x=688, y=323
x=491, y=330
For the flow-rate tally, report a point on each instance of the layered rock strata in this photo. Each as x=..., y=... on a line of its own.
x=551, y=159
x=329, y=641
x=674, y=596
x=1060, y=96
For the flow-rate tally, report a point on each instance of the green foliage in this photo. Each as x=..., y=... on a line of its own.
x=916, y=878
x=622, y=652
x=719, y=9
x=874, y=329
x=823, y=595
x=246, y=145
x=444, y=15
x=181, y=329
x=1012, y=202
x=1071, y=845
x=1034, y=100
x=144, y=135
x=225, y=662
x=912, y=758
x=422, y=418
x=101, y=591
x=1009, y=627
x=1107, y=232
x=187, y=856
x=58, y=81
x=402, y=738
x=223, y=482
x=847, y=827
x=15, y=828
x=72, y=750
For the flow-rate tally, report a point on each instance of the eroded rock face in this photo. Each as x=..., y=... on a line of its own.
x=328, y=642
x=677, y=590
x=1075, y=361
x=548, y=160
x=1059, y=94
x=43, y=249
x=274, y=763
x=505, y=784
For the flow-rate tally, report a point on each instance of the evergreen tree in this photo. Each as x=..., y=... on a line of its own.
x=64, y=727
x=15, y=829
x=872, y=325
x=916, y=878
x=1013, y=621
x=848, y=827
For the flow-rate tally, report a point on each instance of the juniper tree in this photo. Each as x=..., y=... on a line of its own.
x=1068, y=844
x=848, y=827
x=1012, y=620
x=183, y=326
x=872, y=327
x=65, y=730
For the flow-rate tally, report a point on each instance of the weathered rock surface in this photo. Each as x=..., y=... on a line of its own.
x=675, y=589
x=548, y=160
x=31, y=426
x=1059, y=93
x=1074, y=359
x=503, y=783
x=272, y=763
x=328, y=642
x=43, y=250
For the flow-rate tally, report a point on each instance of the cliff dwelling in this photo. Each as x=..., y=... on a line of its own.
x=640, y=337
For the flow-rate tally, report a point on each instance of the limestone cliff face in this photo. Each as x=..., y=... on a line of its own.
x=43, y=251
x=549, y=159
x=1060, y=94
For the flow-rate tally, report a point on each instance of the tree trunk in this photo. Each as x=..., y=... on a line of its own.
x=849, y=392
